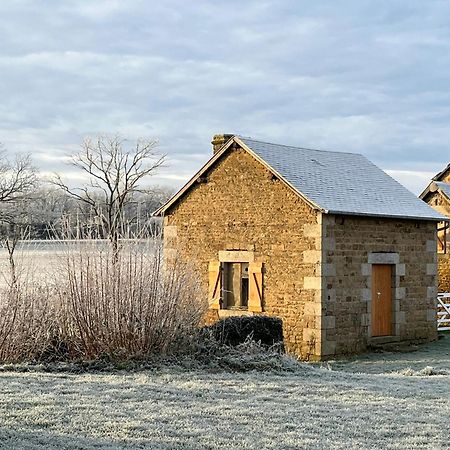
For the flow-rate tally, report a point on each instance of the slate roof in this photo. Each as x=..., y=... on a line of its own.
x=334, y=182
x=342, y=183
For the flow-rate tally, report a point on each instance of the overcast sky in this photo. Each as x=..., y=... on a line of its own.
x=367, y=76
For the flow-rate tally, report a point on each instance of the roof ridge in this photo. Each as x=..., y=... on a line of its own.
x=300, y=148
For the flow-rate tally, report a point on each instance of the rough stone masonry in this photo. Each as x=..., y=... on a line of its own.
x=317, y=267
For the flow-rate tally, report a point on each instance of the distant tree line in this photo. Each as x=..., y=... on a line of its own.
x=49, y=213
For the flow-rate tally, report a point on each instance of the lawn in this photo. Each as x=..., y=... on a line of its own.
x=379, y=401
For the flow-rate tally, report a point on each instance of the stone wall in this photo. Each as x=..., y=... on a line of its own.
x=352, y=245
x=243, y=207
x=444, y=272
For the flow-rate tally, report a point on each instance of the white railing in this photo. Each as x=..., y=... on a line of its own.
x=443, y=311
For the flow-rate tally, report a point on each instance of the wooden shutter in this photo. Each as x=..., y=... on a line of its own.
x=215, y=284
x=255, y=292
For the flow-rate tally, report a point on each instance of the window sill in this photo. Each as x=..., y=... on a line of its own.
x=234, y=312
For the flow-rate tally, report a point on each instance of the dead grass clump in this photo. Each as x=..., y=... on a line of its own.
x=235, y=346
x=251, y=355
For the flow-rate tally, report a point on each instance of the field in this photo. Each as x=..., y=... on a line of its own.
x=378, y=401
x=384, y=400
x=41, y=258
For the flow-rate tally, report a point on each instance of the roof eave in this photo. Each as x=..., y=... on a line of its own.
x=431, y=189
x=391, y=216
x=426, y=191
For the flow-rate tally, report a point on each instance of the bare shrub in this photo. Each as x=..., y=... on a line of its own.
x=27, y=321
x=126, y=305
x=97, y=304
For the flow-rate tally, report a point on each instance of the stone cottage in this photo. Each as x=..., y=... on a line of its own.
x=437, y=195
x=326, y=241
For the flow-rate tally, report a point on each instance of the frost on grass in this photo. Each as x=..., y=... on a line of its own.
x=427, y=371
x=181, y=408
x=422, y=360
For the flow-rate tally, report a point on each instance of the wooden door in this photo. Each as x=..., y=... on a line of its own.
x=381, y=300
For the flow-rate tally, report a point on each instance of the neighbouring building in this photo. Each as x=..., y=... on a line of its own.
x=437, y=195
x=327, y=241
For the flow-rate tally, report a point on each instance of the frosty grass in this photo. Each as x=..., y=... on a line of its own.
x=378, y=401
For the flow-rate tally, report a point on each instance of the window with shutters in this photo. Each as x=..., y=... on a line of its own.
x=236, y=285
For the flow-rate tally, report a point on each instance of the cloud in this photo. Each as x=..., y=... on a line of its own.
x=415, y=181
x=359, y=76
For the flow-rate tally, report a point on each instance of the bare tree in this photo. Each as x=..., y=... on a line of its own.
x=18, y=182
x=115, y=171
x=17, y=177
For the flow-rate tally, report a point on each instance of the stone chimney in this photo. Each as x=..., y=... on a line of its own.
x=219, y=140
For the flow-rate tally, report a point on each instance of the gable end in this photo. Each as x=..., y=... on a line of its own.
x=200, y=176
